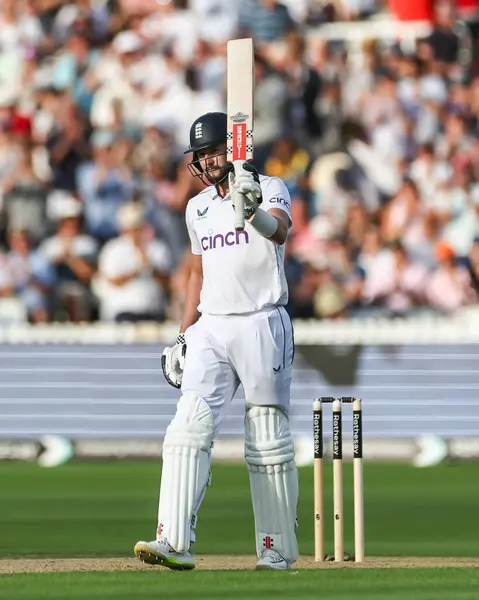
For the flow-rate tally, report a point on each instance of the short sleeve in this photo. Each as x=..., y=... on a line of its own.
x=115, y=262
x=51, y=248
x=195, y=243
x=276, y=195
x=159, y=256
x=86, y=247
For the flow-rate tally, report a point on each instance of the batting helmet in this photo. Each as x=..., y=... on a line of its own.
x=207, y=131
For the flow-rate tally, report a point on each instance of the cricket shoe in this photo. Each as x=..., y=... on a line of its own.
x=161, y=553
x=270, y=560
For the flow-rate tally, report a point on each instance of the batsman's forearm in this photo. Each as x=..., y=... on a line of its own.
x=190, y=311
x=280, y=235
x=271, y=224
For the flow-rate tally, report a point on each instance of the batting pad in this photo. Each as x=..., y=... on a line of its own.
x=269, y=453
x=186, y=470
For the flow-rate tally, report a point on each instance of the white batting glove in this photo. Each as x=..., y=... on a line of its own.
x=173, y=362
x=246, y=182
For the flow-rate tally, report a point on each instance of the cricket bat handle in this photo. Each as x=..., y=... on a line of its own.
x=239, y=199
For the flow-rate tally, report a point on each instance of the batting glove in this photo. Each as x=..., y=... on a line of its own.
x=173, y=362
x=246, y=182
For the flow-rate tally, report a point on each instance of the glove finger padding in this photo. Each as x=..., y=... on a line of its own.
x=247, y=182
x=232, y=182
x=253, y=189
x=235, y=189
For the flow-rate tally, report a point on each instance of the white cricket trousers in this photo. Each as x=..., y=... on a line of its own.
x=256, y=350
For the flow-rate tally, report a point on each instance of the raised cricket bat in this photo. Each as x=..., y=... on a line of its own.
x=239, y=100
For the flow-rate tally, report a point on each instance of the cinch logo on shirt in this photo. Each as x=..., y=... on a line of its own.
x=232, y=238
x=280, y=200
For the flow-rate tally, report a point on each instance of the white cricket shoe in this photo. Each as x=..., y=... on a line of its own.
x=160, y=552
x=270, y=560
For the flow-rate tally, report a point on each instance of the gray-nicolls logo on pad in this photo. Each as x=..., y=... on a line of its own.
x=198, y=130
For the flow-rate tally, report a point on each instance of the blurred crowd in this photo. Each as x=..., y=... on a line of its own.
x=378, y=143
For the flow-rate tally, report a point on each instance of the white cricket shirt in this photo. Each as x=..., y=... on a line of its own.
x=243, y=272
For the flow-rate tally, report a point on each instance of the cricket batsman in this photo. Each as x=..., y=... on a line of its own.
x=234, y=330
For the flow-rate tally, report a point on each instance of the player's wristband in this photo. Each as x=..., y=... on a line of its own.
x=264, y=223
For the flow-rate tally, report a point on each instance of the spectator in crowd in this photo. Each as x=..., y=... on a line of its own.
x=303, y=87
x=394, y=282
x=28, y=275
x=133, y=271
x=265, y=20
x=72, y=254
x=105, y=184
x=287, y=162
x=24, y=196
x=329, y=299
x=67, y=144
x=377, y=141
x=449, y=287
x=72, y=69
x=444, y=42
x=164, y=206
x=473, y=265
x=269, y=110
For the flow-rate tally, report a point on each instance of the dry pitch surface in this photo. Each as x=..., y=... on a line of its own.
x=216, y=563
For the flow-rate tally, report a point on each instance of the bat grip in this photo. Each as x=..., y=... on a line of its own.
x=239, y=199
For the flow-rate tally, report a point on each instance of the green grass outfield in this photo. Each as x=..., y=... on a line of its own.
x=367, y=584
x=102, y=509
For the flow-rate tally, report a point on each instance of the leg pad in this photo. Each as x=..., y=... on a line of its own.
x=269, y=453
x=186, y=470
